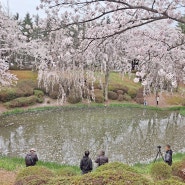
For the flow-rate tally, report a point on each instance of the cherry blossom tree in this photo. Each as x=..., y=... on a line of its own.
x=126, y=36
x=11, y=41
x=160, y=51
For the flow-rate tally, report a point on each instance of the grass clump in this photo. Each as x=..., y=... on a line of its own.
x=161, y=171
x=115, y=166
x=114, y=177
x=169, y=182
x=33, y=180
x=67, y=171
x=34, y=171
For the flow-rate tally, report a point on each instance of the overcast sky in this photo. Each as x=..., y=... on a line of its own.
x=22, y=6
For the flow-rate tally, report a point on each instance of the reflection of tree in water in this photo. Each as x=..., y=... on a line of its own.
x=128, y=135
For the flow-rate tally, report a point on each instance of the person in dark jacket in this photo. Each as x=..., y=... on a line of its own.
x=31, y=158
x=168, y=155
x=101, y=159
x=86, y=163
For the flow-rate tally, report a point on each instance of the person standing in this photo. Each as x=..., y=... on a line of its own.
x=168, y=155
x=86, y=163
x=157, y=100
x=31, y=158
x=101, y=159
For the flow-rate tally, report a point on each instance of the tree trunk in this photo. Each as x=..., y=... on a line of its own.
x=107, y=74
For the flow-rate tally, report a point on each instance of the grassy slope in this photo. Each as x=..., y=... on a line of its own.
x=16, y=164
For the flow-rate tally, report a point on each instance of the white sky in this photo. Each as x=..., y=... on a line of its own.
x=22, y=7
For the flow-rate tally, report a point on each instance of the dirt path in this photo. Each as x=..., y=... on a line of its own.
x=7, y=178
x=151, y=101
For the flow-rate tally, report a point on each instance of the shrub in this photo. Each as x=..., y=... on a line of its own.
x=112, y=95
x=32, y=180
x=34, y=171
x=132, y=93
x=7, y=94
x=53, y=91
x=68, y=171
x=114, y=177
x=161, y=171
x=115, y=166
x=38, y=93
x=24, y=88
x=99, y=98
x=21, y=102
x=178, y=169
x=120, y=97
x=127, y=97
x=74, y=96
x=116, y=87
x=120, y=92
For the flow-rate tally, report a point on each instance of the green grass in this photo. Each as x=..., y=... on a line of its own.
x=25, y=74
x=15, y=163
x=94, y=105
x=145, y=168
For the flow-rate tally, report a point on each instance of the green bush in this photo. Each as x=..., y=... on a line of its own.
x=127, y=97
x=68, y=171
x=161, y=171
x=99, y=98
x=34, y=171
x=114, y=177
x=7, y=94
x=132, y=93
x=74, y=96
x=115, y=166
x=24, y=88
x=38, y=93
x=112, y=95
x=21, y=102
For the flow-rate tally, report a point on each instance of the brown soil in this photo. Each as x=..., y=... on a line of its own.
x=7, y=178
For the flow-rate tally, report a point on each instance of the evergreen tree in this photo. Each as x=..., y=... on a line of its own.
x=27, y=27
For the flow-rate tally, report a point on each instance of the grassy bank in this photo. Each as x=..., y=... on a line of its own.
x=15, y=163
x=112, y=173
x=94, y=105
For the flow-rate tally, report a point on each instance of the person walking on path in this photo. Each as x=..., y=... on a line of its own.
x=86, y=163
x=101, y=159
x=157, y=100
x=31, y=158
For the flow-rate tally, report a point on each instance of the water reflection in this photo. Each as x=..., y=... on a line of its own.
x=127, y=135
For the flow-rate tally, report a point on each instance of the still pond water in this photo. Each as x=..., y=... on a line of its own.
x=126, y=134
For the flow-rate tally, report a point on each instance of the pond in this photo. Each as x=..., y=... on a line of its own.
x=129, y=135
